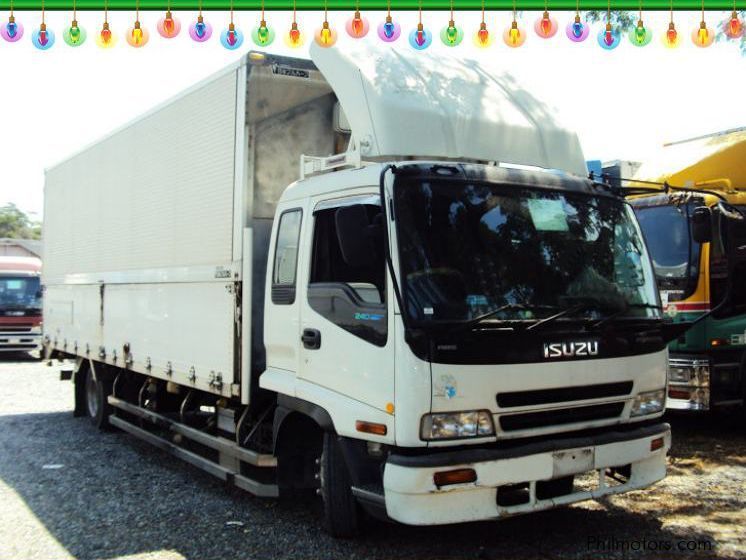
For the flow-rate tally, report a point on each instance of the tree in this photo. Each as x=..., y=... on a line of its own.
x=16, y=224
x=622, y=20
x=626, y=20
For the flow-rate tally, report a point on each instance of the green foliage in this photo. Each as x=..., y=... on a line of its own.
x=621, y=19
x=16, y=224
x=627, y=20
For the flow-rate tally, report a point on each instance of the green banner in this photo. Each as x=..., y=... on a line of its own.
x=347, y=5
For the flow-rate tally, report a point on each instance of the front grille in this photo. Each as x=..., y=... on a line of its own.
x=20, y=327
x=548, y=418
x=564, y=394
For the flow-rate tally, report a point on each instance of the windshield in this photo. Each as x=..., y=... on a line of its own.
x=19, y=293
x=675, y=256
x=470, y=249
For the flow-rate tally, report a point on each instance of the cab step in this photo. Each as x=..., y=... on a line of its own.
x=231, y=454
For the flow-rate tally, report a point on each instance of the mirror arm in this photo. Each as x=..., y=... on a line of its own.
x=387, y=245
x=729, y=290
x=718, y=307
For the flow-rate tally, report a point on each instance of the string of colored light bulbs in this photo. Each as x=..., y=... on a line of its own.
x=357, y=27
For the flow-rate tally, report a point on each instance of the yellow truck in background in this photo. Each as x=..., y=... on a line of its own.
x=707, y=364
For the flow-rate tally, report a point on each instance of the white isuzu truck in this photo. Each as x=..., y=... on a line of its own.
x=327, y=277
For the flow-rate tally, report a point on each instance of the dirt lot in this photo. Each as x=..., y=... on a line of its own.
x=67, y=491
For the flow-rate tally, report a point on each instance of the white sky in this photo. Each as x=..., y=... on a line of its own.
x=623, y=103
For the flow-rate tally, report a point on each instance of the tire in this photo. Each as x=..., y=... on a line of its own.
x=341, y=511
x=97, y=407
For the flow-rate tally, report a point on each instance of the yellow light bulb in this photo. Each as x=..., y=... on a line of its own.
x=514, y=36
x=137, y=36
x=703, y=36
x=326, y=36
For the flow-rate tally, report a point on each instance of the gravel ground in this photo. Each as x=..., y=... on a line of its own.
x=68, y=491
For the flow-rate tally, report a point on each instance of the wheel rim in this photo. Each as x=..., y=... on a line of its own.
x=91, y=396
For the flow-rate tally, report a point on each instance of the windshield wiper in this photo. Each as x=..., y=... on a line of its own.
x=563, y=313
x=625, y=310
x=591, y=305
x=509, y=306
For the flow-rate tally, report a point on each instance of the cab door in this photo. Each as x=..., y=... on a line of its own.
x=282, y=316
x=347, y=344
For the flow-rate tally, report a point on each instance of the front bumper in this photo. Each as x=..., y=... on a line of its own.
x=411, y=496
x=20, y=342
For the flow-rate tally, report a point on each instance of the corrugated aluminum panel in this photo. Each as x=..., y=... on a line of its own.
x=156, y=194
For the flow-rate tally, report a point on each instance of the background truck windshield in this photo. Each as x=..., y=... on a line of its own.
x=470, y=249
x=18, y=293
x=675, y=257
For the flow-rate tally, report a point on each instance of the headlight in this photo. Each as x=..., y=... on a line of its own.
x=457, y=425
x=649, y=402
x=696, y=373
x=679, y=374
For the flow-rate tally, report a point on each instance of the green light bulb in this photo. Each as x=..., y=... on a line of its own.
x=74, y=35
x=640, y=33
x=452, y=34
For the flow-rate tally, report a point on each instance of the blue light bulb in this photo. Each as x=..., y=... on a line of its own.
x=388, y=29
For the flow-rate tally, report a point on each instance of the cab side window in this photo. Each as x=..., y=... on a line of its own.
x=347, y=284
x=286, y=258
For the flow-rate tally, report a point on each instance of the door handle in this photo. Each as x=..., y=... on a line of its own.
x=311, y=339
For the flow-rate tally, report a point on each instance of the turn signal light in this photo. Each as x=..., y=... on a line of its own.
x=371, y=428
x=656, y=444
x=457, y=476
x=679, y=393
x=718, y=342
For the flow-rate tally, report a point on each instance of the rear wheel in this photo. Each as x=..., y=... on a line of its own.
x=341, y=511
x=97, y=406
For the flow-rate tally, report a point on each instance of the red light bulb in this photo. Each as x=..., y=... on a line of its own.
x=483, y=35
x=357, y=24
x=546, y=24
x=294, y=33
x=608, y=35
x=671, y=34
x=420, y=36
x=232, y=34
x=734, y=27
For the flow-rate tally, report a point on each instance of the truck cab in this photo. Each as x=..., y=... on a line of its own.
x=514, y=342
x=700, y=280
x=20, y=304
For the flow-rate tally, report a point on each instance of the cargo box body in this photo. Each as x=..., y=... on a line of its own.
x=156, y=236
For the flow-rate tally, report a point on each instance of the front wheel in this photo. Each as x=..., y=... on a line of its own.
x=98, y=408
x=341, y=511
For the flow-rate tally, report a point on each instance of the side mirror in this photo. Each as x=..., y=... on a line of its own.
x=701, y=223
